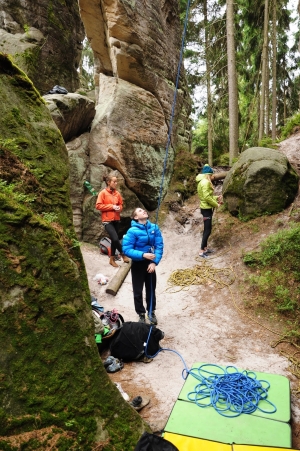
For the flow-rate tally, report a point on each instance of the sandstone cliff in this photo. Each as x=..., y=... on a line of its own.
x=136, y=46
x=45, y=38
x=52, y=381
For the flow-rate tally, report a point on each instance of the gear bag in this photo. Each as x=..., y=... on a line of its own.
x=151, y=442
x=58, y=90
x=105, y=246
x=129, y=343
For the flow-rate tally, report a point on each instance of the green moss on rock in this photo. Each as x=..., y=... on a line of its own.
x=50, y=371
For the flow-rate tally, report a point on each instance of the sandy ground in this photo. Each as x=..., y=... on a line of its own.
x=205, y=323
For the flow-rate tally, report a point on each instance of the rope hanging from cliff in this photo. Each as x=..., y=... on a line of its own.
x=173, y=107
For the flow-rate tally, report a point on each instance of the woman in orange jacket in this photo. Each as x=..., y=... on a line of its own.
x=110, y=203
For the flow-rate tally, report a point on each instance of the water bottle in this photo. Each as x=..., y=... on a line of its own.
x=90, y=188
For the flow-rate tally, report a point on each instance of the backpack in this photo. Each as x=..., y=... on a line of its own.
x=129, y=343
x=151, y=442
x=105, y=246
x=58, y=90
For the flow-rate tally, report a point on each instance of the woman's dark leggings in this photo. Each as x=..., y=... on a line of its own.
x=113, y=229
x=141, y=276
x=207, y=221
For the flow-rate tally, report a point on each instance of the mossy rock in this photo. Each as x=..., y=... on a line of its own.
x=262, y=181
x=50, y=371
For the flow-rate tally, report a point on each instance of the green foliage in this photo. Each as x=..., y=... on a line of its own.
x=9, y=144
x=267, y=142
x=277, y=267
x=11, y=189
x=86, y=67
x=50, y=217
x=288, y=128
x=186, y=167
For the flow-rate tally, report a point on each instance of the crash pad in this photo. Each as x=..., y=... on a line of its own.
x=278, y=393
x=206, y=423
x=184, y=443
x=258, y=448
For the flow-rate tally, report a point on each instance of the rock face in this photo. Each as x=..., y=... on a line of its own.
x=261, y=182
x=72, y=113
x=86, y=218
x=136, y=46
x=45, y=38
x=51, y=375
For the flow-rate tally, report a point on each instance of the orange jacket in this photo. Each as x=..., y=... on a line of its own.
x=105, y=201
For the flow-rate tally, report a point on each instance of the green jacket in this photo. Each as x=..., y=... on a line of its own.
x=205, y=192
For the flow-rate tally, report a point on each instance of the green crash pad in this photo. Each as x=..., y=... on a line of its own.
x=188, y=419
x=278, y=393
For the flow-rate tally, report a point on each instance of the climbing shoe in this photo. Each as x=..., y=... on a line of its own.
x=203, y=255
x=110, y=359
x=142, y=318
x=152, y=318
x=117, y=365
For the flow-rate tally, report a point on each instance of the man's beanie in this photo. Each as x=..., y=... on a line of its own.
x=207, y=169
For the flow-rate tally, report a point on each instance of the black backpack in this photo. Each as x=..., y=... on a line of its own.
x=129, y=343
x=151, y=442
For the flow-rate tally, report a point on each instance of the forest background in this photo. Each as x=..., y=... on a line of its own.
x=242, y=65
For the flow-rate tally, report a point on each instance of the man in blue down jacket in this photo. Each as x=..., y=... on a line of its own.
x=143, y=243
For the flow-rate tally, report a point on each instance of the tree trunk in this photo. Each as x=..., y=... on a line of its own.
x=208, y=87
x=232, y=83
x=274, y=78
x=264, y=73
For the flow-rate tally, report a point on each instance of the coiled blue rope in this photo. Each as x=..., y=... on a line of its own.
x=230, y=393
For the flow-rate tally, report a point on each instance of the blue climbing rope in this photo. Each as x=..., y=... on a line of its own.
x=173, y=106
x=171, y=125
x=229, y=391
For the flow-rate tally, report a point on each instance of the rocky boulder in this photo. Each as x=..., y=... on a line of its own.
x=86, y=219
x=262, y=181
x=136, y=47
x=45, y=39
x=128, y=134
x=72, y=113
x=51, y=375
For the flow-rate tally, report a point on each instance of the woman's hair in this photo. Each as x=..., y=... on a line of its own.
x=108, y=178
x=133, y=213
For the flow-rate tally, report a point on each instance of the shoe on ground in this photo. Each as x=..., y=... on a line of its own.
x=152, y=318
x=138, y=402
x=115, y=366
x=142, y=318
x=110, y=359
x=203, y=255
x=209, y=251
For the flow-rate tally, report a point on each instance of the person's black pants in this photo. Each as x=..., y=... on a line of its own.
x=113, y=229
x=141, y=276
x=207, y=221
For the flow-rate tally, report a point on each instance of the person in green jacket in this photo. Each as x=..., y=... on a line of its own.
x=208, y=202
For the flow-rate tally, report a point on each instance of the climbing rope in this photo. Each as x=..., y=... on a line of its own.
x=173, y=107
x=229, y=391
x=201, y=274
x=171, y=123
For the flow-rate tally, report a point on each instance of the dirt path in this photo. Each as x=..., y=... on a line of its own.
x=203, y=324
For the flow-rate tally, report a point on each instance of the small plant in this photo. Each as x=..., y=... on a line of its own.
x=17, y=196
x=50, y=217
x=26, y=28
x=9, y=144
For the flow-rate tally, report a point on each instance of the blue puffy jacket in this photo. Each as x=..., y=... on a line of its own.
x=140, y=238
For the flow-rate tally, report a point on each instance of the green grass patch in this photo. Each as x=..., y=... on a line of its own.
x=275, y=274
